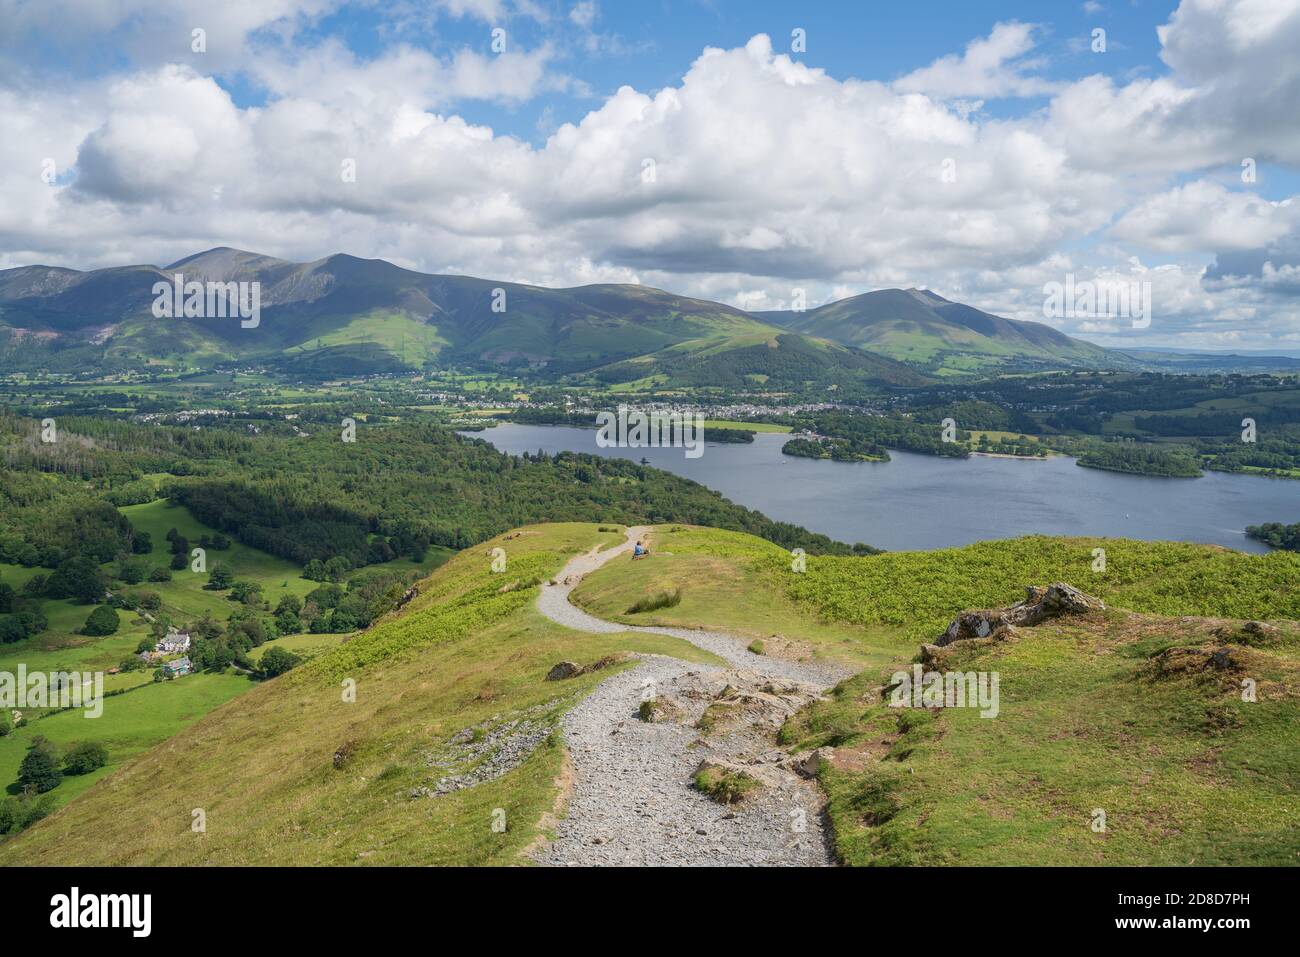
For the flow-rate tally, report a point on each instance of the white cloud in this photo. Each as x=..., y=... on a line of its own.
x=993, y=66
x=330, y=73
x=490, y=11
x=584, y=14
x=1203, y=215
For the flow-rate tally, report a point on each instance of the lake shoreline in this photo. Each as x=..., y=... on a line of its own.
x=919, y=502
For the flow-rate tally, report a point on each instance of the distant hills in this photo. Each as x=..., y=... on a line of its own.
x=342, y=315
x=936, y=335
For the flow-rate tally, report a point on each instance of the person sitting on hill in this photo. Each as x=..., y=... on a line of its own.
x=639, y=551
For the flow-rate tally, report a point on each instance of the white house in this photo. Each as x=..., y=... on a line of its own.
x=176, y=642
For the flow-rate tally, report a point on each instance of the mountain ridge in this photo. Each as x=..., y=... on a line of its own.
x=938, y=335
x=346, y=314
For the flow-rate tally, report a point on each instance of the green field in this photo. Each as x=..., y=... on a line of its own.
x=747, y=426
x=152, y=712
x=131, y=722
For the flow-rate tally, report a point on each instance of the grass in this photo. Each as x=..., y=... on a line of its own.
x=665, y=599
x=61, y=648
x=1185, y=771
x=1082, y=726
x=725, y=584
x=262, y=769
x=305, y=645
x=131, y=723
x=723, y=786
x=746, y=426
x=1092, y=714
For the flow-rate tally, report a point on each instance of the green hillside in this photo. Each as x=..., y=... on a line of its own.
x=342, y=315
x=936, y=335
x=139, y=713
x=1119, y=710
x=263, y=768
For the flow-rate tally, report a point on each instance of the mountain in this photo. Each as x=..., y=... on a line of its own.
x=937, y=335
x=344, y=315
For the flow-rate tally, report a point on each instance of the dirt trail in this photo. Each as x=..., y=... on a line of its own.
x=632, y=800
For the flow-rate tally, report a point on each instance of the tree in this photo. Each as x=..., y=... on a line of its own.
x=286, y=615
x=39, y=771
x=78, y=578
x=35, y=586
x=13, y=628
x=326, y=596
x=248, y=592
x=160, y=574
x=221, y=577
x=85, y=757
x=315, y=570
x=19, y=812
x=277, y=661
x=147, y=600
x=102, y=621
x=211, y=654
x=336, y=568
x=6, y=598
x=206, y=627
x=180, y=561
x=132, y=570
x=142, y=544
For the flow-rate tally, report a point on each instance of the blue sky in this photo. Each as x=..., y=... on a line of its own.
x=824, y=170
x=649, y=45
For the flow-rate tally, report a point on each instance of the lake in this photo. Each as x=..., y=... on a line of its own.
x=924, y=502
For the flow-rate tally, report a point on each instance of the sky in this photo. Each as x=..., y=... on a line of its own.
x=749, y=152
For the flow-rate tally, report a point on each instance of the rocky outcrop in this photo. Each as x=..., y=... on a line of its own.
x=1040, y=604
x=565, y=669
x=729, y=782
x=809, y=763
x=486, y=751
x=741, y=696
x=1172, y=662
x=571, y=669
x=1257, y=634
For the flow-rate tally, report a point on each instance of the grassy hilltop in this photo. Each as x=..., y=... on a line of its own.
x=1115, y=711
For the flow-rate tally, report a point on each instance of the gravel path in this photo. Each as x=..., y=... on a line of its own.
x=632, y=802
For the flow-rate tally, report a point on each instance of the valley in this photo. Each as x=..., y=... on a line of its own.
x=398, y=551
